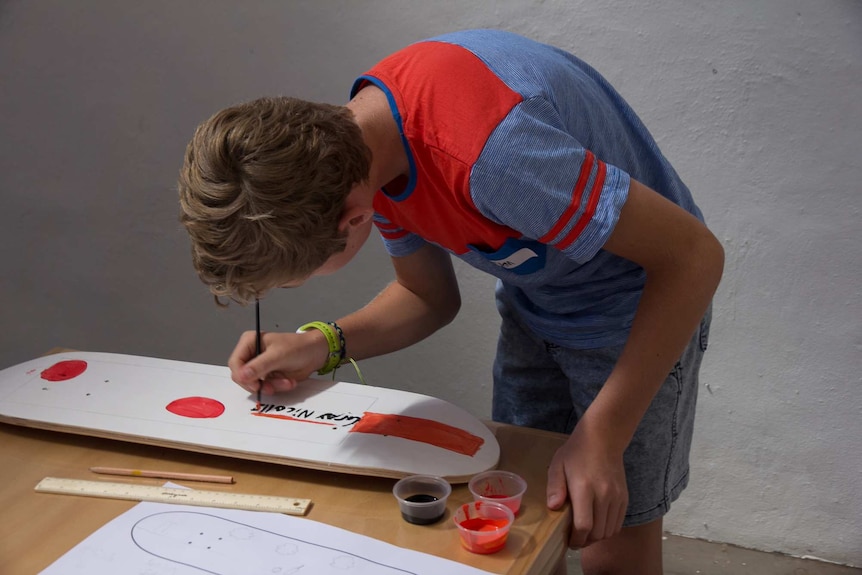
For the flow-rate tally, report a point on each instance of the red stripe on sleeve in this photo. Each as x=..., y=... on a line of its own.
x=394, y=235
x=595, y=193
x=583, y=177
x=391, y=232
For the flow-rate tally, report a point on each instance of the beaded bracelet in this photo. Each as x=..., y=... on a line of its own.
x=337, y=348
x=342, y=345
x=335, y=340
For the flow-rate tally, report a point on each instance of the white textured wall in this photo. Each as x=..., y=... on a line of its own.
x=756, y=103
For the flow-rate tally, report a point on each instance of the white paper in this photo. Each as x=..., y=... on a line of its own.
x=168, y=539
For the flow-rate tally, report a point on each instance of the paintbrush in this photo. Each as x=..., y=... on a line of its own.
x=257, y=345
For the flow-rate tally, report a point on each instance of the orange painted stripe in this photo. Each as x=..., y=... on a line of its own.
x=289, y=418
x=418, y=429
x=595, y=193
x=583, y=177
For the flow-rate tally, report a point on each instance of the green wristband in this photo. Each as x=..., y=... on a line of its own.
x=334, y=358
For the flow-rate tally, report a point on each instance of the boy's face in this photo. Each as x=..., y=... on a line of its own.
x=356, y=237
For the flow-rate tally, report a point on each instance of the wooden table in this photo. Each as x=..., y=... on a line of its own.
x=37, y=528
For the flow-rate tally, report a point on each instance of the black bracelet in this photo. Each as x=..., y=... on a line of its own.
x=341, y=341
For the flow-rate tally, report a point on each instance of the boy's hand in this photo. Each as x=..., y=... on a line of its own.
x=286, y=359
x=592, y=477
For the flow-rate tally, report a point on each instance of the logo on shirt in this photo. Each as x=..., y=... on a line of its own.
x=516, y=255
x=516, y=259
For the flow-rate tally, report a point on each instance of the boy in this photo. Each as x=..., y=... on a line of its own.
x=521, y=160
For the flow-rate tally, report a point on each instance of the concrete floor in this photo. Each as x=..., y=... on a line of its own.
x=684, y=556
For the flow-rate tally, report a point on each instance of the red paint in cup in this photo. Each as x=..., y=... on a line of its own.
x=484, y=526
x=500, y=486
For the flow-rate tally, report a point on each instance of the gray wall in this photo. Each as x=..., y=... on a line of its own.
x=756, y=103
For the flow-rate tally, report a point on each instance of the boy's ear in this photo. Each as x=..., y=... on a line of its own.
x=355, y=216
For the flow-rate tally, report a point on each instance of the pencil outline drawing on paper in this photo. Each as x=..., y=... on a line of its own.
x=221, y=546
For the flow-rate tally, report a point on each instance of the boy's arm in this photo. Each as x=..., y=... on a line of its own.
x=683, y=262
x=423, y=298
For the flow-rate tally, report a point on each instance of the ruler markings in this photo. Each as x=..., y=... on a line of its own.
x=154, y=493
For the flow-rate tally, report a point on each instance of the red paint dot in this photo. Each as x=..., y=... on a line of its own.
x=197, y=407
x=65, y=370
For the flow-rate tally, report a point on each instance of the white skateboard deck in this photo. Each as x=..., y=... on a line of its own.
x=334, y=426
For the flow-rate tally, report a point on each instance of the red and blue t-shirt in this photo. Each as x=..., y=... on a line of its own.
x=520, y=160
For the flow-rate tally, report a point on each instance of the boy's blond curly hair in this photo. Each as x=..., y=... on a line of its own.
x=261, y=189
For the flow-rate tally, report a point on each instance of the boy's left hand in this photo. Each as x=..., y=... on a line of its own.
x=592, y=476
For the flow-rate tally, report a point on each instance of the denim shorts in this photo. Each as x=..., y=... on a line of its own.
x=539, y=384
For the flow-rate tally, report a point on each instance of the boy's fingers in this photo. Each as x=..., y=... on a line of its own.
x=556, y=489
x=582, y=519
x=621, y=514
x=248, y=373
x=257, y=368
x=242, y=352
x=278, y=384
x=600, y=520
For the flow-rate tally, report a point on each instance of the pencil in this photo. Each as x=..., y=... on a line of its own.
x=163, y=474
x=257, y=344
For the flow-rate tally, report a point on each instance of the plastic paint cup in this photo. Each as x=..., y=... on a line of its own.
x=422, y=498
x=483, y=526
x=500, y=487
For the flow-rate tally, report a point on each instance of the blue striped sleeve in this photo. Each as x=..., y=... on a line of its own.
x=537, y=179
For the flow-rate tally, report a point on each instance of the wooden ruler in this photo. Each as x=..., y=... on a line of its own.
x=199, y=497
